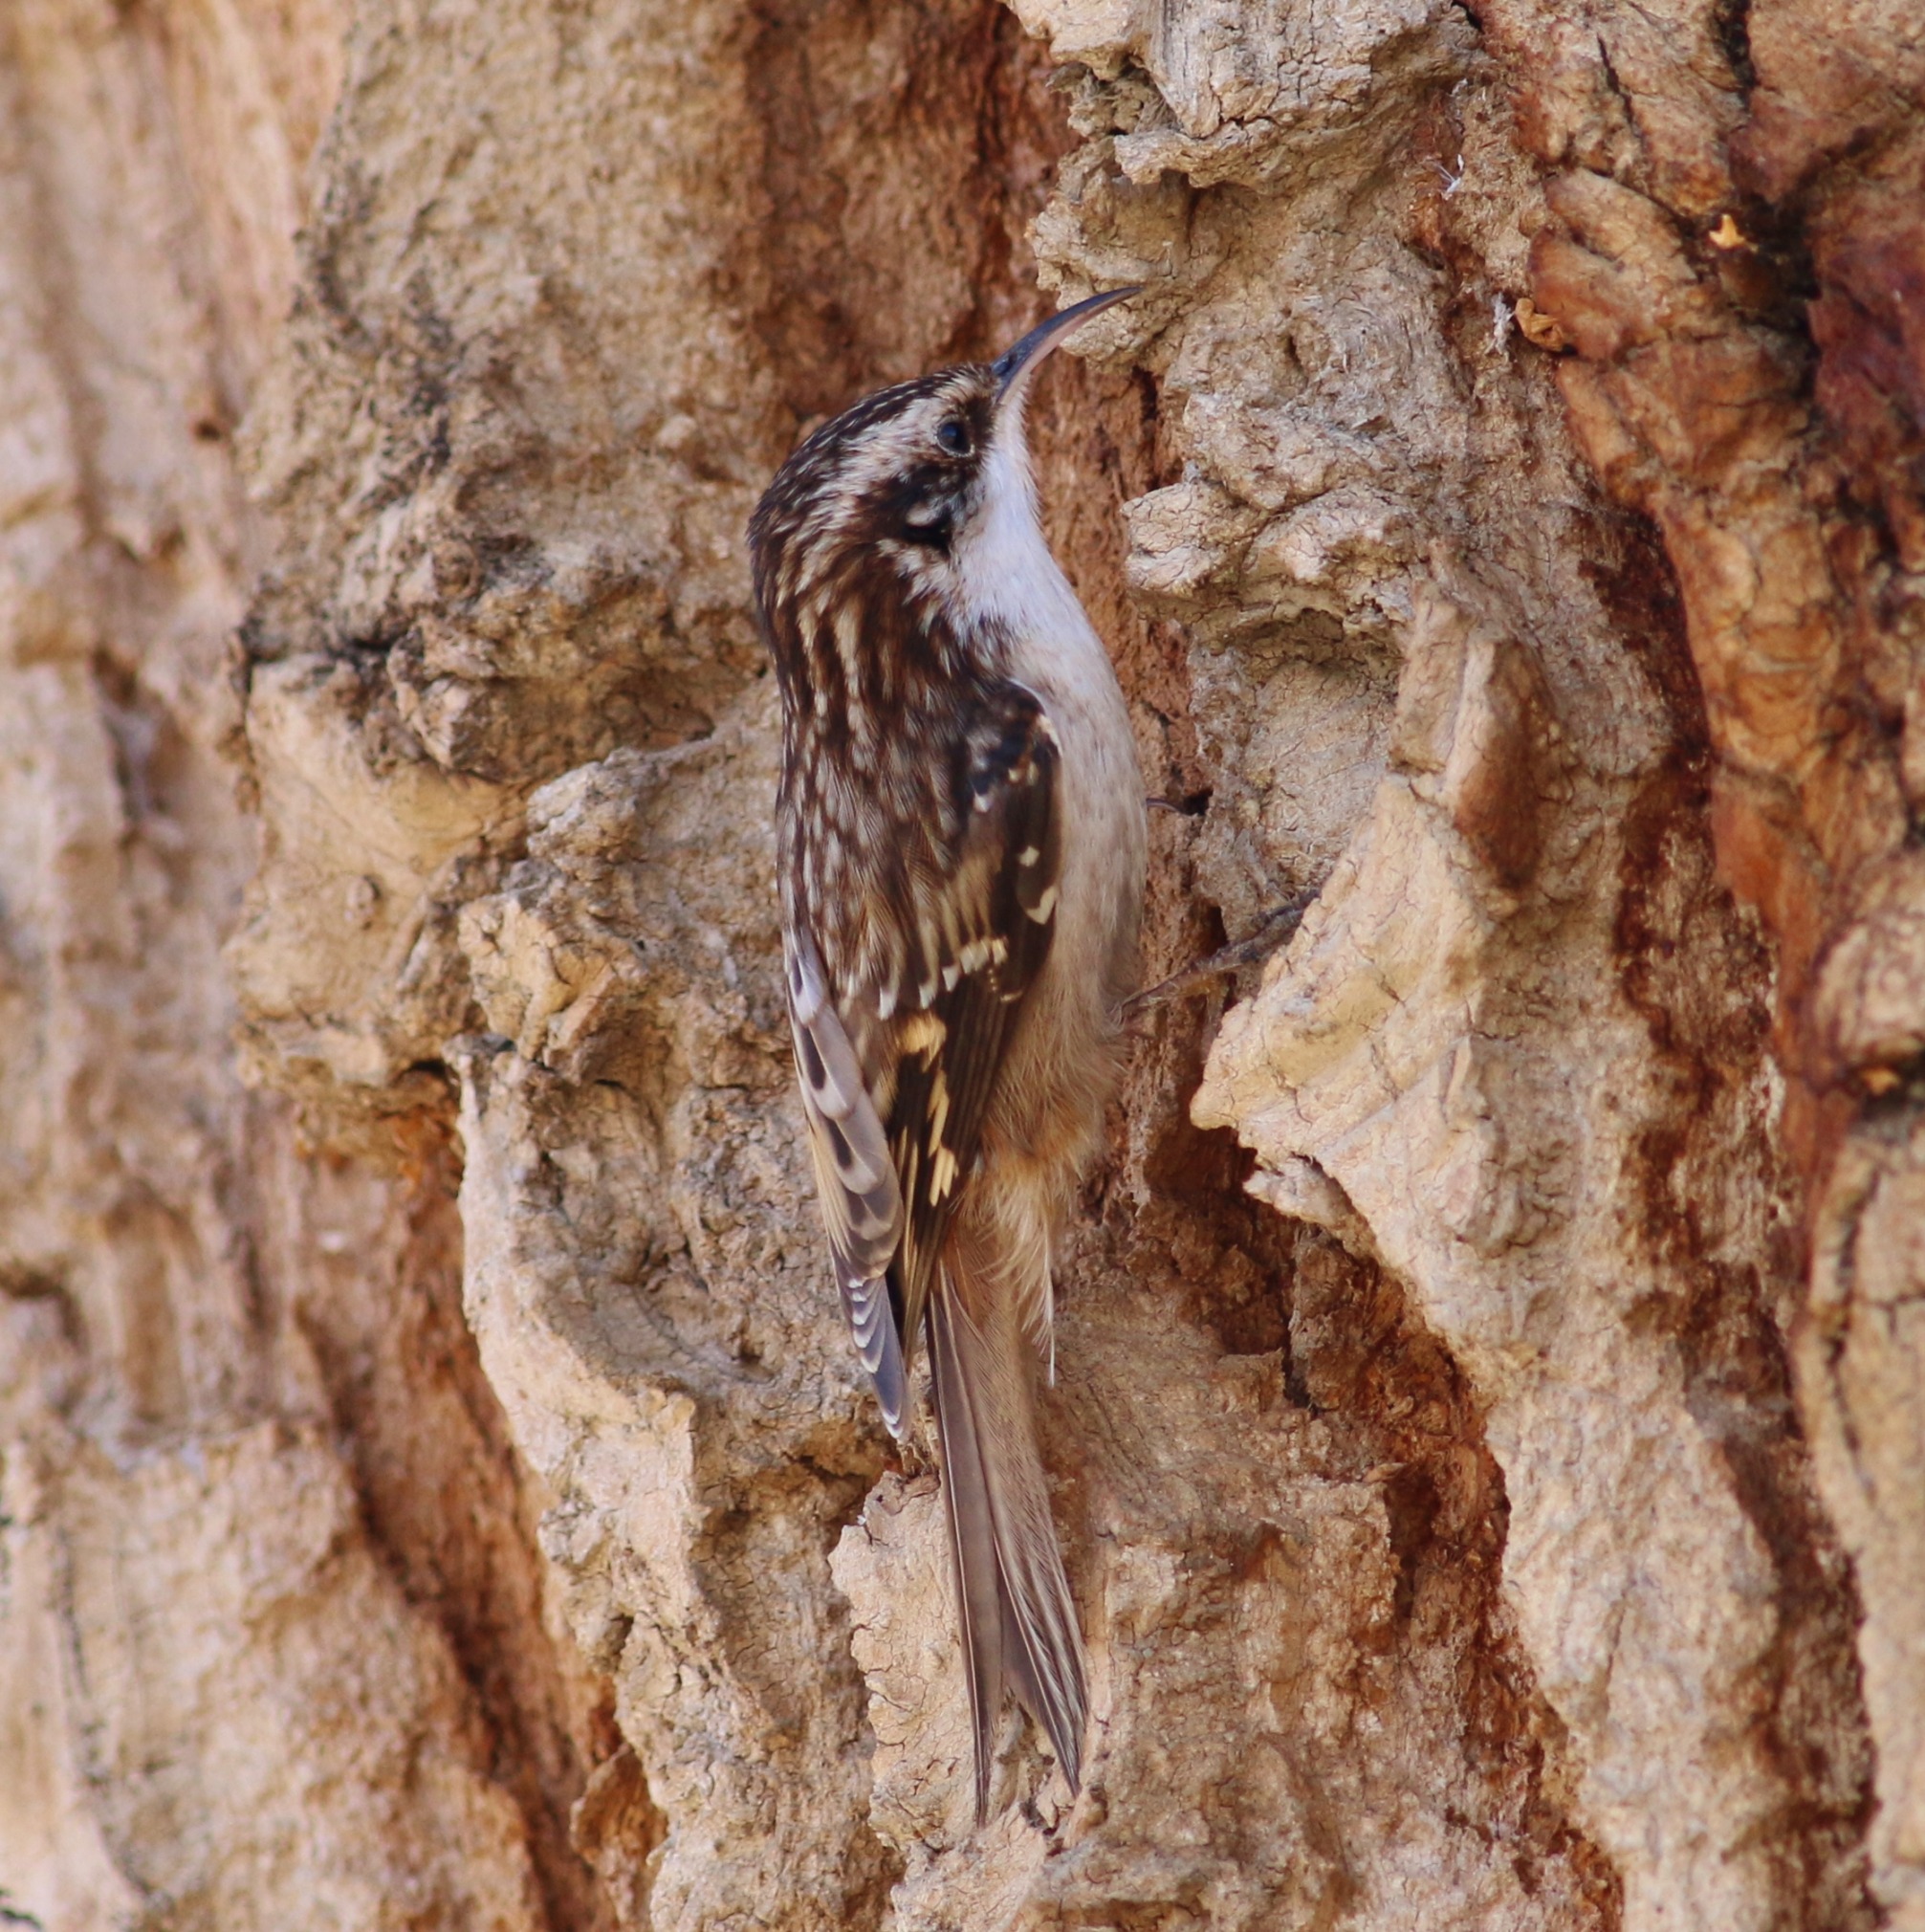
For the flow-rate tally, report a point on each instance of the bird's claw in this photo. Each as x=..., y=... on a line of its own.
x=1279, y=927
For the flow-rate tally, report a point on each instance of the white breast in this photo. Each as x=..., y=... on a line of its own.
x=1005, y=571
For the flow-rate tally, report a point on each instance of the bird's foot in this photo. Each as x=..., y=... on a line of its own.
x=1279, y=927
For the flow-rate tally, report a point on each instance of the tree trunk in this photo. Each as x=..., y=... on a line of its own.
x=1490, y=1428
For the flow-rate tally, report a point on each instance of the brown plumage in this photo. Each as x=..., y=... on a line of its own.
x=961, y=840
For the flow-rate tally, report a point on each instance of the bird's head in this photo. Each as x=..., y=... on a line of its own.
x=911, y=475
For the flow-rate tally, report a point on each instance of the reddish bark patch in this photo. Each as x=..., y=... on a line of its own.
x=1869, y=322
x=905, y=151
x=448, y=1505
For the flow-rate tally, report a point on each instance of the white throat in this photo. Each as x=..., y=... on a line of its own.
x=1004, y=570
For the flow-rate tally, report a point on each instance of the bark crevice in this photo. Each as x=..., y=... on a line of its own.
x=435, y=1484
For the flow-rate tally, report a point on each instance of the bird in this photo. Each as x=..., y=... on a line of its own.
x=961, y=847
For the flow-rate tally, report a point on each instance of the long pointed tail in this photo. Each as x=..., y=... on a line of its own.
x=1018, y=1623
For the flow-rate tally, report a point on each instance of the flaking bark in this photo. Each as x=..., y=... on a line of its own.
x=437, y=1489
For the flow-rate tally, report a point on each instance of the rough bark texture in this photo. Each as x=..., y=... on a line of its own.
x=436, y=1489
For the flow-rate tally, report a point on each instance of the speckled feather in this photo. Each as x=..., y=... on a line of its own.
x=961, y=848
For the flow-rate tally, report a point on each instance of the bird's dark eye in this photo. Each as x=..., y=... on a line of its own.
x=954, y=436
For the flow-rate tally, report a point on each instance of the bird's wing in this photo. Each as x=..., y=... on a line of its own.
x=896, y=1084
x=982, y=930
x=855, y=1174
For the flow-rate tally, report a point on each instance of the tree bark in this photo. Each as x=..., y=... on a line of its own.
x=435, y=1486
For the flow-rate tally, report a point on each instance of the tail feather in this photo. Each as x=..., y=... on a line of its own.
x=1019, y=1622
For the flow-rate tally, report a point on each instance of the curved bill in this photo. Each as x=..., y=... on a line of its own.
x=1014, y=366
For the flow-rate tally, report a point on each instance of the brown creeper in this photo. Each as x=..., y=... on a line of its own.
x=961, y=843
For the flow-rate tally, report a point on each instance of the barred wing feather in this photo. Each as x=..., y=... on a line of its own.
x=855, y=1175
